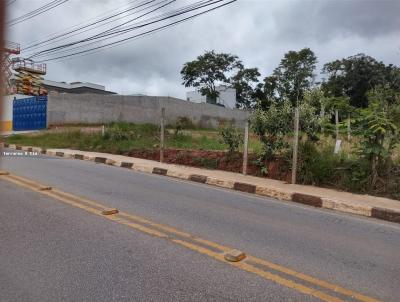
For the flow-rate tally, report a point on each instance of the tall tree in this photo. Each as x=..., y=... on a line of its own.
x=378, y=126
x=356, y=75
x=208, y=71
x=247, y=91
x=293, y=76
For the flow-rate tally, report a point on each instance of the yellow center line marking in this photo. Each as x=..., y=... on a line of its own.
x=266, y=275
x=94, y=208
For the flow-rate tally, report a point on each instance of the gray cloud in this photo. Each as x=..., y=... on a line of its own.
x=259, y=32
x=327, y=20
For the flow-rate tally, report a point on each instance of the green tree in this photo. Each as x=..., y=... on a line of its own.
x=231, y=136
x=245, y=82
x=208, y=71
x=268, y=92
x=378, y=126
x=272, y=126
x=356, y=75
x=293, y=76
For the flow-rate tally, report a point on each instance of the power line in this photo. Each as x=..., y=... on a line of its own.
x=80, y=24
x=88, y=25
x=32, y=52
x=129, y=21
x=51, y=5
x=126, y=30
x=83, y=30
x=10, y=2
x=35, y=11
x=141, y=34
x=56, y=50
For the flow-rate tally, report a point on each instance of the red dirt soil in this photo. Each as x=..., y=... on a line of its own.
x=219, y=160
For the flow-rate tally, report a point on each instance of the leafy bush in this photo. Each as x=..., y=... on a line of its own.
x=320, y=166
x=314, y=166
x=182, y=123
x=272, y=126
x=232, y=137
x=310, y=122
x=378, y=126
x=353, y=175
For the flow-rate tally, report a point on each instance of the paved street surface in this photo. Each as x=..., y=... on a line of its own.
x=51, y=251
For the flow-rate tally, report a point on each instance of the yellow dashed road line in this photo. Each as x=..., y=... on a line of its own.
x=189, y=241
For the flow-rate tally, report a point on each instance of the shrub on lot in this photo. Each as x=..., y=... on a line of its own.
x=320, y=166
x=316, y=166
x=183, y=123
x=123, y=131
x=232, y=137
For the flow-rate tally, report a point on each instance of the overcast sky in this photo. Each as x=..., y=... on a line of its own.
x=258, y=31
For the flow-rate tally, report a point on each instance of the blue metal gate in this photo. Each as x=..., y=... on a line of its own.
x=30, y=113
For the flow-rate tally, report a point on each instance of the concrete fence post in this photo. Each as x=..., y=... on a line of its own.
x=295, y=144
x=349, y=128
x=162, y=134
x=245, y=146
x=337, y=123
x=322, y=115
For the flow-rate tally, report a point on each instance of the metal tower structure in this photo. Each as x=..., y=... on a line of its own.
x=10, y=48
x=28, y=77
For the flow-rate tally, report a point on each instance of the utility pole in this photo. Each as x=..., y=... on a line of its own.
x=295, y=144
x=162, y=135
x=245, y=146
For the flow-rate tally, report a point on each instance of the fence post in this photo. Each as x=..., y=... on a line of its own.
x=295, y=144
x=322, y=115
x=162, y=135
x=245, y=146
x=349, y=128
x=337, y=123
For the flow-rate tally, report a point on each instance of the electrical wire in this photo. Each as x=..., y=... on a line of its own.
x=35, y=11
x=33, y=50
x=61, y=51
x=91, y=24
x=51, y=5
x=79, y=24
x=141, y=34
x=10, y=2
x=126, y=30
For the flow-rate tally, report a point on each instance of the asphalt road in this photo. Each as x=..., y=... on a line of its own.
x=50, y=251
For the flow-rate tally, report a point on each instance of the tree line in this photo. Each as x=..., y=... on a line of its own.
x=358, y=93
x=350, y=77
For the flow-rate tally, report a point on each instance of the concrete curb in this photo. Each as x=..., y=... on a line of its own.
x=385, y=214
x=297, y=197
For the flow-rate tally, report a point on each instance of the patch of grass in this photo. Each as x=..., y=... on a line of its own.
x=119, y=138
x=184, y=141
x=317, y=163
x=48, y=140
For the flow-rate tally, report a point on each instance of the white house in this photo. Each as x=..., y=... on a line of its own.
x=227, y=97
